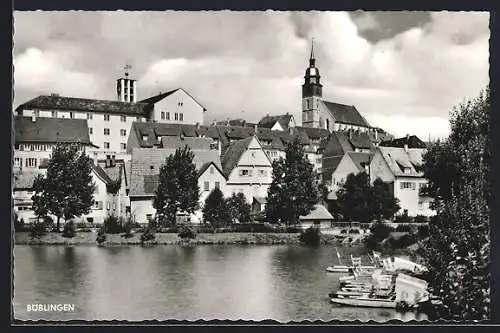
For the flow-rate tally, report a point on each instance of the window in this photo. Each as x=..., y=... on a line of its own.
x=90, y=130
x=244, y=172
x=123, y=132
x=16, y=146
x=106, y=117
x=106, y=145
x=21, y=147
x=144, y=138
x=123, y=118
x=108, y=206
x=97, y=205
x=167, y=115
x=206, y=186
x=18, y=161
x=106, y=131
x=176, y=116
x=163, y=115
x=114, y=205
x=407, y=185
x=54, y=114
x=72, y=115
x=89, y=115
x=217, y=185
x=262, y=173
x=123, y=146
x=212, y=170
x=149, y=217
x=253, y=154
x=138, y=119
x=181, y=117
x=420, y=204
x=31, y=162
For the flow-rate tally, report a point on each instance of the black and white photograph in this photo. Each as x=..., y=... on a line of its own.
x=251, y=165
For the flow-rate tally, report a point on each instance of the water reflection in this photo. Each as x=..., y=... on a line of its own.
x=173, y=282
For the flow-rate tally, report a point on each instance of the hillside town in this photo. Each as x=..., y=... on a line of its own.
x=129, y=138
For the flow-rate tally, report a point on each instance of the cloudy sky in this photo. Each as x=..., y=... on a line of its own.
x=404, y=71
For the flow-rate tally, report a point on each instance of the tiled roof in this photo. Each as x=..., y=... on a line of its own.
x=412, y=141
x=360, y=159
x=157, y=98
x=329, y=165
x=318, y=213
x=146, y=163
x=101, y=173
x=84, y=104
x=337, y=145
x=347, y=114
x=174, y=142
x=114, y=172
x=314, y=133
x=398, y=158
x=23, y=180
x=51, y=130
x=269, y=121
x=155, y=130
x=360, y=140
x=208, y=131
x=233, y=153
x=260, y=200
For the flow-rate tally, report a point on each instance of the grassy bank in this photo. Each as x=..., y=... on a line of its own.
x=89, y=238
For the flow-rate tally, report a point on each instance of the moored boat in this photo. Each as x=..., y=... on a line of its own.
x=365, y=301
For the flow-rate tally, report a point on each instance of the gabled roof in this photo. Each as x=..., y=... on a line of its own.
x=412, y=141
x=260, y=200
x=329, y=165
x=360, y=159
x=101, y=174
x=205, y=166
x=146, y=163
x=346, y=114
x=397, y=159
x=159, y=97
x=51, y=130
x=341, y=142
x=156, y=130
x=269, y=121
x=313, y=133
x=233, y=153
x=54, y=102
x=360, y=140
x=318, y=213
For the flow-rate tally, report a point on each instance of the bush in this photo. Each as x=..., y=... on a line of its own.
x=420, y=219
x=311, y=236
x=127, y=229
x=205, y=228
x=37, y=230
x=101, y=236
x=423, y=232
x=380, y=231
x=148, y=234
x=251, y=227
x=19, y=225
x=69, y=230
x=112, y=225
x=187, y=233
x=403, y=219
x=401, y=242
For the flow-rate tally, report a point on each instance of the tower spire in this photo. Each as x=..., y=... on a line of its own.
x=312, y=50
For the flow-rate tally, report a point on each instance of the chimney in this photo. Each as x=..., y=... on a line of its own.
x=406, y=147
x=255, y=129
x=113, y=161
x=33, y=116
x=376, y=134
x=107, y=162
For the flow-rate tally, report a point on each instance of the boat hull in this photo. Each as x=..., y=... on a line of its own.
x=346, y=269
x=366, y=303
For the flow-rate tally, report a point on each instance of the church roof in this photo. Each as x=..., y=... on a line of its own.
x=346, y=114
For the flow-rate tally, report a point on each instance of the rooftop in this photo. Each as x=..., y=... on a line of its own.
x=51, y=130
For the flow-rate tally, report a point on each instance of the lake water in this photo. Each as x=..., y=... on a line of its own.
x=233, y=282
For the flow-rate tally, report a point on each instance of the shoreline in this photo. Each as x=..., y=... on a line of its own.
x=113, y=240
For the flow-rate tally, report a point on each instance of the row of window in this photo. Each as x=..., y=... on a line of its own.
x=206, y=185
x=166, y=116
x=99, y=205
x=272, y=153
x=411, y=185
x=249, y=172
x=30, y=162
x=90, y=116
x=123, y=146
x=123, y=132
x=32, y=147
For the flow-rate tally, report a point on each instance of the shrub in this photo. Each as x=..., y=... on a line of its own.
x=420, y=219
x=380, y=231
x=205, y=228
x=311, y=236
x=187, y=233
x=101, y=236
x=112, y=225
x=149, y=233
x=403, y=219
x=127, y=229
x=423, y=232
x=37, y=230
x=401, y=242
x=251, y=227
x=69, y=229
x=19, y=225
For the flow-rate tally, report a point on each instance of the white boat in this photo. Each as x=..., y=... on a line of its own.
x=338, y=269
x=364, y=301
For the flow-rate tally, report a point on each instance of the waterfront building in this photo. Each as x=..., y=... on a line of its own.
x=144, y=178
x=399, y=163
x=248, y=168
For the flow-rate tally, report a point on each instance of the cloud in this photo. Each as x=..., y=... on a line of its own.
x=418, y=68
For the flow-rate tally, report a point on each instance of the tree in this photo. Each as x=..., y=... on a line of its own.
x=67, y=188
x=178, y=186
x=357, y=200
x=384, y=204
x=457, y=250
x=215, y=210
x=238, y=208
x=293, y=191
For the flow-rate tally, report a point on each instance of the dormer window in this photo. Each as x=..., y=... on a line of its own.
x=145, y=138
x=407, y=171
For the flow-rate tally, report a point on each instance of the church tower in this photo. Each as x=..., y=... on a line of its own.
x=126, y=88
x=312, y=91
